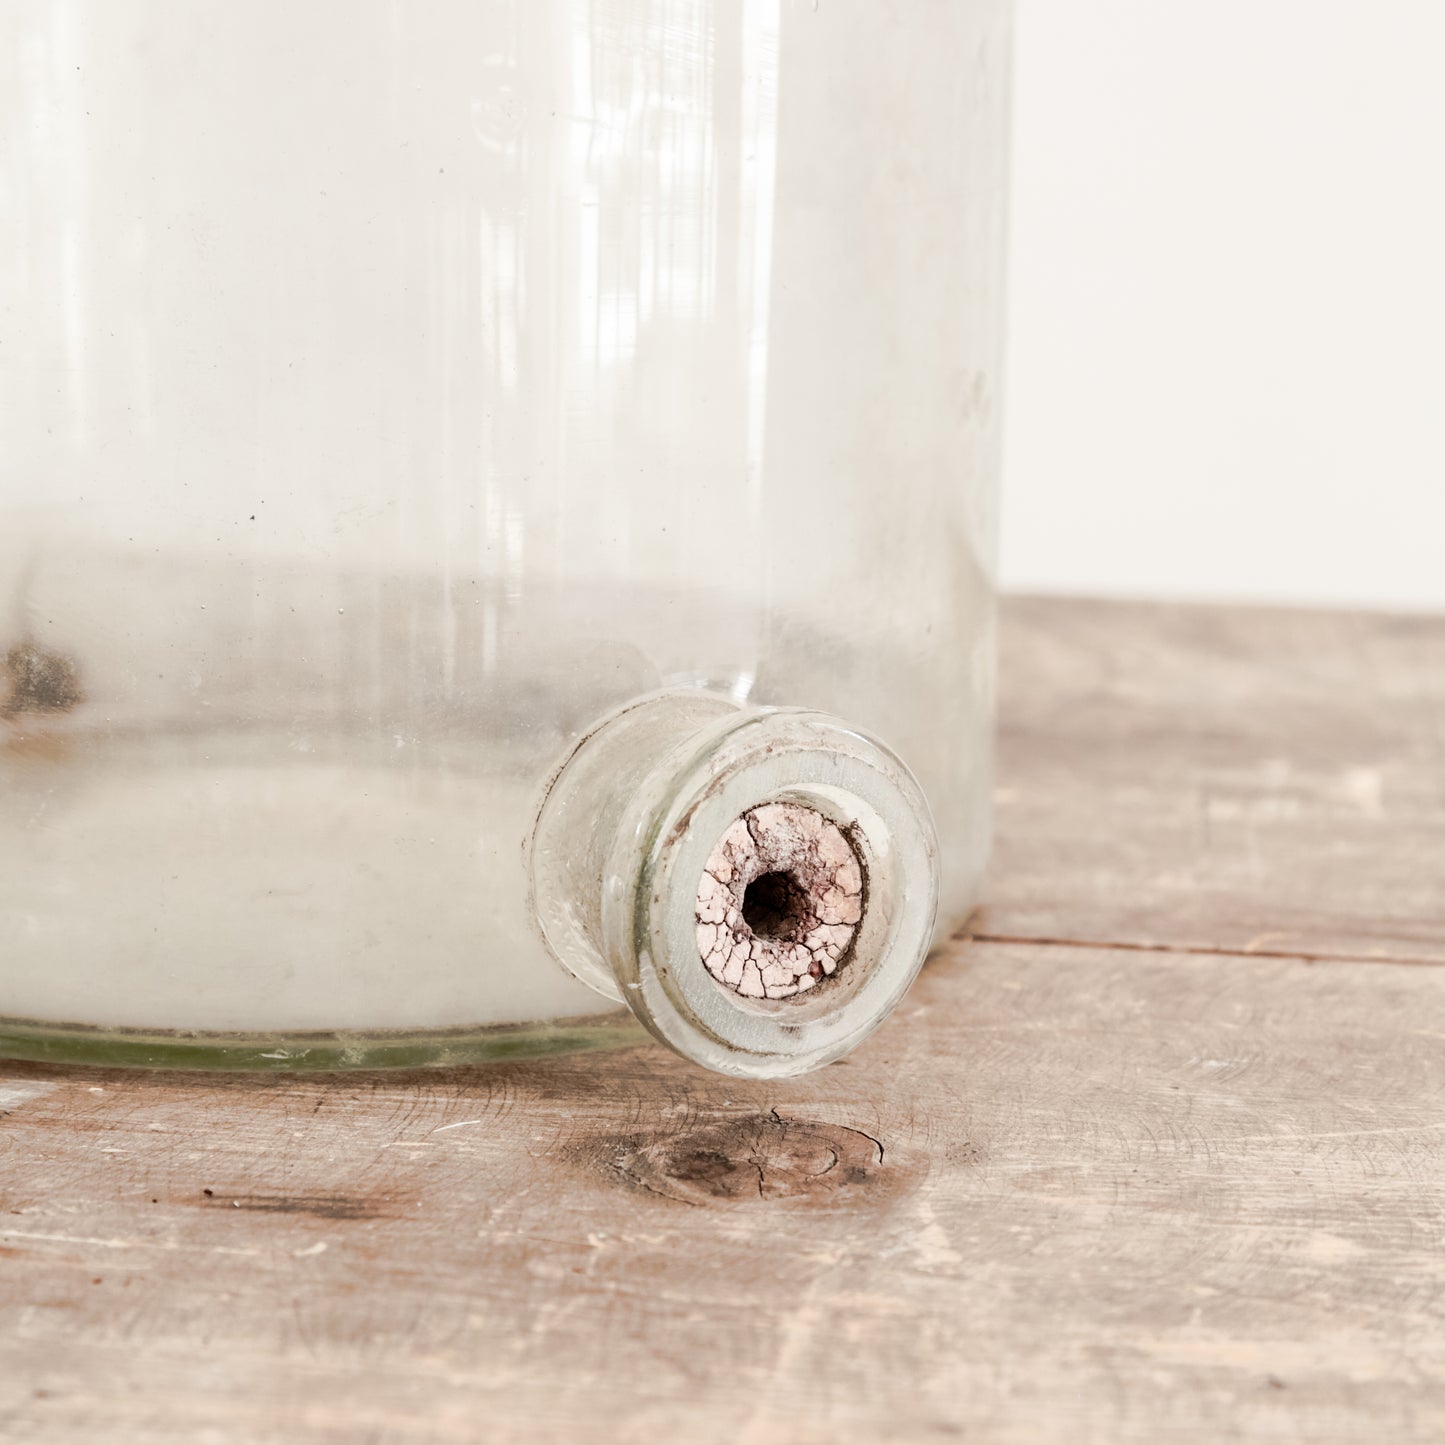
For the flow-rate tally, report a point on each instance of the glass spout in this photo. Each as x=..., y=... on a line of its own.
x=759, y=885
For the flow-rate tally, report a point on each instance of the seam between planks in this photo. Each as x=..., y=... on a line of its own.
x=1205, y=949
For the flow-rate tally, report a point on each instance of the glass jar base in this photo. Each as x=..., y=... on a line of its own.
x=316, y=1052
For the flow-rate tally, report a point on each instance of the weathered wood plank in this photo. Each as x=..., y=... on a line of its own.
x=1082, y=1194
x=1222, y=777
x=1069, y=1192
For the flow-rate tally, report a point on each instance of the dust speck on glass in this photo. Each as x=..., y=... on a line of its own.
x=497, y=507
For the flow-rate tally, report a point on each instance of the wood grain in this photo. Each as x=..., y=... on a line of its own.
x=1260, y=780
x=1068, y=1193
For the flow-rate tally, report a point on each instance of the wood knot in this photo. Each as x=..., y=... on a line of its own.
x=758, y=1156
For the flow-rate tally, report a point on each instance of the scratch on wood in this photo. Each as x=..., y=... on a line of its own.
x=323, y=1206
x=169, y=1245
x=13, y=1095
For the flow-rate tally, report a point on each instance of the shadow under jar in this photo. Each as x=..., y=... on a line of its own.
x=496, y=523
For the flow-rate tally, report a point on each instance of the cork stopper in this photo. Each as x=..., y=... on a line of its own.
x=779, y=902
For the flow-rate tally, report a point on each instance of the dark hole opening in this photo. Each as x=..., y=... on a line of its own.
x=775, y=905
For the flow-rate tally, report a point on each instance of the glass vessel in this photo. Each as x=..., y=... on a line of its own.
x=497, y=503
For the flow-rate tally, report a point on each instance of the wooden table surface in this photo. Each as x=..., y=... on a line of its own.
x=1157, y=1155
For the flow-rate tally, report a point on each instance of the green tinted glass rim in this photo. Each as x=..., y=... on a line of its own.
x=319, y=1052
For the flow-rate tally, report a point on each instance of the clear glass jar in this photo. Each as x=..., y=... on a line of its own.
x=394, y=394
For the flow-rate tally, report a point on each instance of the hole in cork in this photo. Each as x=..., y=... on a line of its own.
x=777, y=906
x=779, y=902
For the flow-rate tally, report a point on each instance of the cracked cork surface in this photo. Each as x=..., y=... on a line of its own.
x=779, y=902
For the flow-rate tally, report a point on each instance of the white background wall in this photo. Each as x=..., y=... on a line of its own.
x=1227, y=370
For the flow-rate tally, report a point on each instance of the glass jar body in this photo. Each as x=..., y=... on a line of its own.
x=392, y=393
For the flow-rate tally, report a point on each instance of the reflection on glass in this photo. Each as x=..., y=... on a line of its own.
x=392, y=389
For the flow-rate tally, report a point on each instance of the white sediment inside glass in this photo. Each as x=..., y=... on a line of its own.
x=273, y=798
x=227, y=832
x=232, y=884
